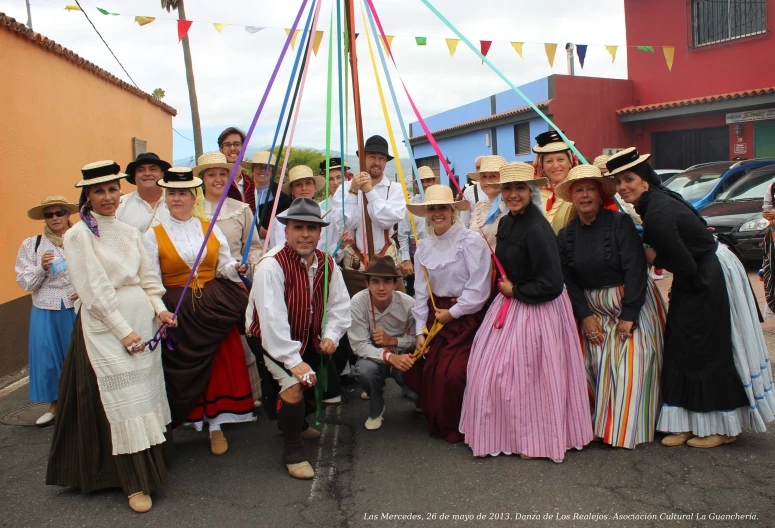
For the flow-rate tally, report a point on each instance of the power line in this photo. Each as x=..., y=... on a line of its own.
x=181, y=135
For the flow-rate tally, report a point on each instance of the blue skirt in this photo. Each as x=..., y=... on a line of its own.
x=49, y=338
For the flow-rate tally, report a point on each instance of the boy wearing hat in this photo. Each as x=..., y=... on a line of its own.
x=335, y=177
x=286, y=311
x=406, y=241
x=382, y=336
x=145, y=207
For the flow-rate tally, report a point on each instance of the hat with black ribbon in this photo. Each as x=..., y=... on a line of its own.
x=100, y=172
x=550, y=142
x=179, y=178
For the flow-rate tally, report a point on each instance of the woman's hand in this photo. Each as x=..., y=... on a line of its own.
x=347, y=239
x=624, y=329
x=420, y=342
x=769, y=215
x=47, y=259
x=506, y=288
x=242, y=269
x=169, y=319
x=651, y=255
x=592, y=330
x=443, y=316
x=133, y=343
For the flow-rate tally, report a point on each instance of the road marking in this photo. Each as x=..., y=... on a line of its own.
x=15, y=385
x=313, y=492
x=332, y=469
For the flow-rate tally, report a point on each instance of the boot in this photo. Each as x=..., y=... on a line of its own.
x=290, y=418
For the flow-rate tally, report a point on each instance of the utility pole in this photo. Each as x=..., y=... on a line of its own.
x=29, y=14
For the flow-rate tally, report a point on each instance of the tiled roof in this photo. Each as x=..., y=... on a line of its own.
x=484, y=120
x=695, y=101
x=10, y=24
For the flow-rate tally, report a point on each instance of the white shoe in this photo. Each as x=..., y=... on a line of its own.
x=654, y=276
x=372, y=424
x=46, y=418
x=331, y=401
x=364, y=396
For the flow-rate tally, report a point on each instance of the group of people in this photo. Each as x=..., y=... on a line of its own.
x=518, y=317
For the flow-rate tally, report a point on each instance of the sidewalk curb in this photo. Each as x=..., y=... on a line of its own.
x=9, y=380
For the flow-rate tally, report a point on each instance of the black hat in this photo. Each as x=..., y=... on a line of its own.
x=179, y=178
x=335, y=163
x=303, y=210
x=142, y=159
x=377, y=144
x=382, y=267
x=550, y=142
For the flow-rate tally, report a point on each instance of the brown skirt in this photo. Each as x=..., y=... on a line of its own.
x=81, y=454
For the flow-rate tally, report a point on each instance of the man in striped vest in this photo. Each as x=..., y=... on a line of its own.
x=296, y=323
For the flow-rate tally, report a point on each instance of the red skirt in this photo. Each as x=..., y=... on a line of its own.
x=440, y=378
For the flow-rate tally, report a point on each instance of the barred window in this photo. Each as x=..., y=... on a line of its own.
x=715, y=21
x=522, y=138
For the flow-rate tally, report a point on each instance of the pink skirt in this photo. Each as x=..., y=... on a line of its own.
x=527, y=389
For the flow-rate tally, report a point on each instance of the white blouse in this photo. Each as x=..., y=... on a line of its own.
x=187, y=237
x=49, y=289
x=458, y=264
x=234, y=221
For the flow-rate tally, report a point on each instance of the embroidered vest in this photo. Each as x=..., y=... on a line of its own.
x=174, y=271
x=305, y=311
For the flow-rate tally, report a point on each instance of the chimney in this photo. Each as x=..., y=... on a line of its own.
x=569, y=47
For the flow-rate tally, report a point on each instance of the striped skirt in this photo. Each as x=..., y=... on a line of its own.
x=752, y=363
x=526, y=390
x=623, y=376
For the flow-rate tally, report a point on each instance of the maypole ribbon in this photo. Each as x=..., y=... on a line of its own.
x=342, y=146
x=305, y=69
x=154, y=341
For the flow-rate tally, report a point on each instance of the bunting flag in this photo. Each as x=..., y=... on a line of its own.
x=646, y=48
x=421, y=41
x=253, y=29
x=612, y=52
x=143, y=20
x=581, y=49
x=389, y=39
x=356, y=36
x=669, y=52
x=219, y=26
x=72, y=7
x=316, y=42
x=452, y=45
x=106, y=12
x=551, y=50
x=518, y=48
x=293, y=38
x=484, y=45
x=183, y=27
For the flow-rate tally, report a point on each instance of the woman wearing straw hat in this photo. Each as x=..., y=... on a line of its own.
x=41, y=269
x=716, y=376
x=457, y=262
x=487, y=213
x=526, y=392
x=619, y=309
x=112, y=409
x=205, y=370
x=554, y=159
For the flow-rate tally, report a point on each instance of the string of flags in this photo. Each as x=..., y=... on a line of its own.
x=550, y=49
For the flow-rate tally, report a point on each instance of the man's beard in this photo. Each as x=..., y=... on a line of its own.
x=378, y=171
x=304, y=254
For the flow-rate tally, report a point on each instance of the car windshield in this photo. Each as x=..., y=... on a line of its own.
x=753, y=185
x=695, y=184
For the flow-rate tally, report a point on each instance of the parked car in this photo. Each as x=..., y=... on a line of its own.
x=736, y=217
x=666, y=174
x=702, y=184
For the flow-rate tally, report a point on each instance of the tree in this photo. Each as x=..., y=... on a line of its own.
x=177, y=5
x=301, y=156
x=158, y=93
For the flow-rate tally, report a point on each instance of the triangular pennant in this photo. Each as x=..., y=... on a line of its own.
x=219, y=26
x=316, y=42
x=518, y=48
x=551, y=50
x=421, y=41
x=253, y=29
x=106, y=12
x=143, y=20
x=72, y=7
x=646, y=48
x=581, y=49
x=612, y=52
x=452, y=45
x=293, y=38
x=669, y=52
x=356, y=36
x=484, y=45
x=389, y=39
x=183, y=27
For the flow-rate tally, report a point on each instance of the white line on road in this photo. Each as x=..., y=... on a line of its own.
x=15, y=385
x=313, y=492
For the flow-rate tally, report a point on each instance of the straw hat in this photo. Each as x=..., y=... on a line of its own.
x=517, y=171
x=438, y=195
x=550, y=142
x=179, y=178
x=100, y=172
x=585, y=172
x=600, y=162
x=489, y=164
x=624, y=159
x=260, y=157
x=425, y=173
x=300, y=172
x=212, y=160
x=36, y=213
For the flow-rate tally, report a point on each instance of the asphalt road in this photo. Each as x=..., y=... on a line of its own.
x=400, y=471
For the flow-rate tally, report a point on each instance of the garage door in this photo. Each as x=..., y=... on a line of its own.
x=679, y=149
x=764, y=139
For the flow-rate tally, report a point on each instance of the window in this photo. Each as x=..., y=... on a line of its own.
x=522, y=138
x=715, y=21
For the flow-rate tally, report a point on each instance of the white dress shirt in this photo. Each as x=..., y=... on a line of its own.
x=471, y=196
x=138, y=213
x=396, y=321
x=405, y=230
x=187, y=237
x=386, y=208
x=268, y=298
x=458, y=264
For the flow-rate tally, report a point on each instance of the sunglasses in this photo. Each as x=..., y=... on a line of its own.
x=49, y=216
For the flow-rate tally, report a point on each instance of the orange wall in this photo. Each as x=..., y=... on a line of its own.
x=57, y=117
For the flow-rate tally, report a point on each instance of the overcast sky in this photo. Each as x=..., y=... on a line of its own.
x=232, y=68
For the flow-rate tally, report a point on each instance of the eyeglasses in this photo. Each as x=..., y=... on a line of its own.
x=49, y=216
x=236, y=144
